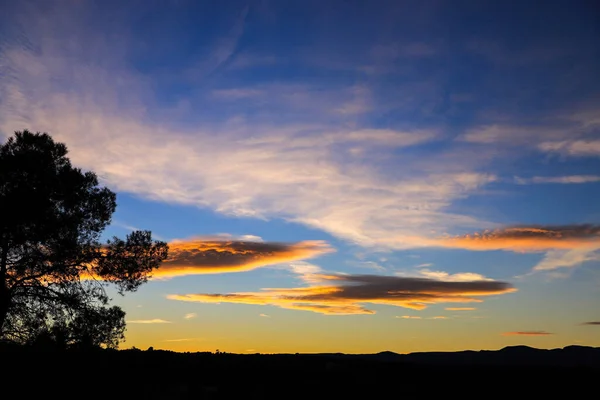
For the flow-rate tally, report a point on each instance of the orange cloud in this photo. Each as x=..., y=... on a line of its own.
x=527, y=333
x=345, y=294
x=201, y=256
x=528, y=238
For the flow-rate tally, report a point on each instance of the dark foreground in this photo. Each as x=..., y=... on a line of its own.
x=515, y=372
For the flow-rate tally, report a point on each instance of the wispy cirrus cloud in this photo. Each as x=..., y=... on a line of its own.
x=148, y=321
x=460, y=308
x=190, y=316
x=223, y=50
x=424, y=265
x=591, y=323
x=345, y=294
x=556, y=259
x=339, y=173
x=569, y=179
x=334, y=174
x=238, y=93
x=527, y=333
x=209, y=256
x=511, y=135
x=572, y=134
x=574, y=148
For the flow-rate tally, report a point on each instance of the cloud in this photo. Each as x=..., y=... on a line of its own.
x=208, y=256
x=307, y=272
x=409, y=317
x=565, y=246
x=223, y=51
x=249, y=60
x=574, y=148
x=527, y=333
x=511, y=135
x=190, y=316
x=371, y=265
x=534, y=238
x=424, y=265
x=234, y=94
x=337, y=173
x=460, y=308
x=330, y=174
x=396, y=50
x=570, y=179
x=345, y=294
x=264, y=315
x=360, y=102
x=591, y=323
x=439, y=317
x=458, y=277
x=568, y=258
x=148, y=321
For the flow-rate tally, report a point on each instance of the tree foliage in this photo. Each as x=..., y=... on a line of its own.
x=54, y=270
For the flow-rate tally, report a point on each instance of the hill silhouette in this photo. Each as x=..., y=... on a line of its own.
x=569, y=356
x=517, y=371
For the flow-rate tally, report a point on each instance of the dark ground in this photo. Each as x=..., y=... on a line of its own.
x=514, y=372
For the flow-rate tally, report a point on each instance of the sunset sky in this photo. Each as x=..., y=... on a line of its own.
x=332, y=176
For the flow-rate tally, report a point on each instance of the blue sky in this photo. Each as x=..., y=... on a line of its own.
x=371, y=138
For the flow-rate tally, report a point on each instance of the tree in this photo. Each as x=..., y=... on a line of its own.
x=89, y=329
x=53, y=268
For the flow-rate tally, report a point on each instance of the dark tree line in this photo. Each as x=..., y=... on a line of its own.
x=53, y=267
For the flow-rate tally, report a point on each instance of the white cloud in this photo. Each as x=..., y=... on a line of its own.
x=371, y=265
x=229, y=236
x=190, y=316
x=339, y=178
x=307, y=272
x=575, y=148
x=285, y=173
x=458, y=277
x=556, y=259
x=568, y=179
x=511, y=134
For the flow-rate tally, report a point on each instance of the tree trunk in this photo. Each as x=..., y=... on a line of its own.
x=4, y=292
x=4, y=306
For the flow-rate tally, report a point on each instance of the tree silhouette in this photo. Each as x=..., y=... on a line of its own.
x=53, y=268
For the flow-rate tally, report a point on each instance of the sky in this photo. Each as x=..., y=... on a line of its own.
x=332, y=176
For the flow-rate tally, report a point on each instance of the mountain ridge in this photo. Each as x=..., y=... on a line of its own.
x=519, y=355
